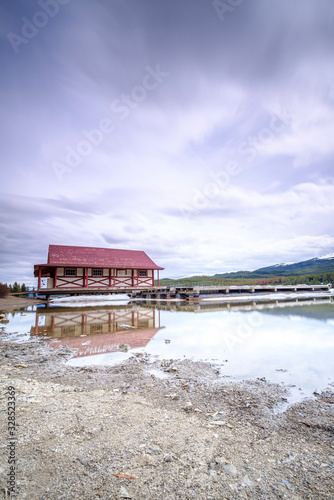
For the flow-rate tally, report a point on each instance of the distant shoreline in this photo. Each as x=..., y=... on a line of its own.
x=11, y=303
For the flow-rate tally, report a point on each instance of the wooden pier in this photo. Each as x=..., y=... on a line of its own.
x=186, y=292
x=200, y=292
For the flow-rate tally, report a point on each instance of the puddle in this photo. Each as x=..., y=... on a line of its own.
x=158, y=373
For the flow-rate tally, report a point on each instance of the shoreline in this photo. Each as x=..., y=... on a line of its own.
x=175, y=427
x=9, y=304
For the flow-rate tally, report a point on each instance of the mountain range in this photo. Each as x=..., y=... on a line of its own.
x=317, y=265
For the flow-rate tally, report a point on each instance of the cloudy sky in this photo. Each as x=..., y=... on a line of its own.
x=199, y=131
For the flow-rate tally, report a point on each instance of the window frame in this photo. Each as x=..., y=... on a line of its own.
x=142, y=275
x=100, y=275
x=70, y=275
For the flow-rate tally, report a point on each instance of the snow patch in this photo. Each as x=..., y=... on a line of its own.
x=91, y=300
x=327, y=256
x=284, y=264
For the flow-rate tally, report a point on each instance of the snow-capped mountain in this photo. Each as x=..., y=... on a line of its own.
x=328, y=256
x=324, y=263
x=317, y=265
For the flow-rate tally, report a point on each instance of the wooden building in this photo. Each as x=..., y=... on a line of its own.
x=71, y=267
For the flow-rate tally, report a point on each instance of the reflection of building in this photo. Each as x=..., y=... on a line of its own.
x=75, y=268
x=108, y=342
x=99, y=331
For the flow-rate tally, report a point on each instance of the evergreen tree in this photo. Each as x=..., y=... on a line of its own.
x=16, y=287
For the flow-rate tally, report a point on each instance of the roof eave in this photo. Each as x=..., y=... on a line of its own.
x=68, y=264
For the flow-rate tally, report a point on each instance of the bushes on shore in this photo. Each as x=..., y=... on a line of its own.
x=4, y=290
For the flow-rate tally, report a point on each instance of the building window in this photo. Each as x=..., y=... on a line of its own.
x=70, y=271
x=142, y=274
x=97, y=272
x=68, y=330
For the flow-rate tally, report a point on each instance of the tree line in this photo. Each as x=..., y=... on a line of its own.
x=15, y=288
x=308, y=279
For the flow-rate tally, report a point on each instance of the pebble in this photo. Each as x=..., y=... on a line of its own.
x=124, y=493
x=213, y=475
x=124, y=348
x=246, y=482
x=230, y=469
x=146, y=460
x=168, y=458
x=155, y=448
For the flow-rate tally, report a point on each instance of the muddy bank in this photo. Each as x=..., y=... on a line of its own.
x=11, y=303
x=148, y=429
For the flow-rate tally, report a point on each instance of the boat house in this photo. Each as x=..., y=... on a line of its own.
x=71, y=267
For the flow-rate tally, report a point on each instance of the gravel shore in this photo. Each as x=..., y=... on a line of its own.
x=149, y=429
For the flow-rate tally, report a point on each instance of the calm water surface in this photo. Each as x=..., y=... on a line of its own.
x=291, y=343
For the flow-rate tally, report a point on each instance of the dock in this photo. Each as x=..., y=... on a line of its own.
x=189, y=293
x=200, y=292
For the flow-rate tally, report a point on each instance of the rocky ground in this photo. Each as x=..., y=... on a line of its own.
x=125, y=432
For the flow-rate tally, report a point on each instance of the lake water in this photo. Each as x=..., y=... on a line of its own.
x=289, y=342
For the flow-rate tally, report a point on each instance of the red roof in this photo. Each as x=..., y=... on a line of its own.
x=61, y=255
